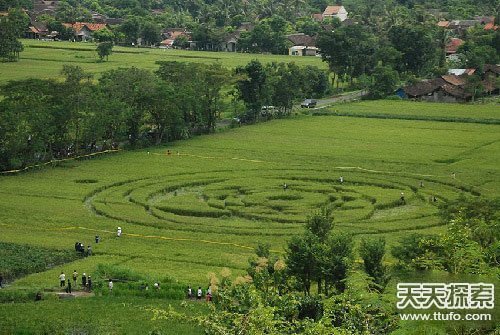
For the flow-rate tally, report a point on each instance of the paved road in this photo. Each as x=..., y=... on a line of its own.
x=322, y=103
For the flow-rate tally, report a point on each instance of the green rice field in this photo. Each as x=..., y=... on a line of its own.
x=205, y=206
x=44, y=59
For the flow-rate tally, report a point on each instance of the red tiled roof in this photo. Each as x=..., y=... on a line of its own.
x=490, y=26
x=95, y=26
x=77, y=26
x=332, y=10
x=453, y=45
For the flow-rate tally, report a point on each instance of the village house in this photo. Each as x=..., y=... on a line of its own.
x=451, y=49
x=335, y=11
x=438, y=90
x=459, y=27
x=230, y=41
x=83, y=31
x=37, y=30
x=302, y=45
x=491, y=72
x=453, y=87
x=171, y=34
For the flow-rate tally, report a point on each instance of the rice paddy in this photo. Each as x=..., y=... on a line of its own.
x=207, y=202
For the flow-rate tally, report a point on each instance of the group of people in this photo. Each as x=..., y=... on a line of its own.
x=86, y=282
x=79, y=247
x=199, y=293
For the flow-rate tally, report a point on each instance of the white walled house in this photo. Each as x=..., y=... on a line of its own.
x=335, y=11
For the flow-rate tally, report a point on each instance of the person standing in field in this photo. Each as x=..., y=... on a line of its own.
x=75, y=277
x=84, y=280
x=89, y=250
x=341, y=179
x=119, y=232
x=190, y=292
x=62, y=280
x=110, y=285
x=89, y=283
x=199, y=293
x=209, y=294
x=68, y=289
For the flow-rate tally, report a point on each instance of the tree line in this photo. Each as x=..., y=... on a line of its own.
x=378, y=58
x=45, y=119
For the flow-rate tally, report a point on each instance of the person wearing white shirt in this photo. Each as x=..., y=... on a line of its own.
x=62, y=279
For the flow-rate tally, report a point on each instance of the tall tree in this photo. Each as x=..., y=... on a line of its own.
x=372, y=252
x=12, y=27
x=252, y=87
x=348, y=50
x=416, y=46
x=104, y=49
x=130, y=86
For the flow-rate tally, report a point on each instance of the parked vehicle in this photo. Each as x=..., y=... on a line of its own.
x=308, y=103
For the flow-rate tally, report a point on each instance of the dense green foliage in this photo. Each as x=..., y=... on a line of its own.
x=11, y=28
x=470, y=244
x=97, y=315
x=104, y=49
x=44, y=59
x=17, y=260
x=372, y=252
x=132, y=106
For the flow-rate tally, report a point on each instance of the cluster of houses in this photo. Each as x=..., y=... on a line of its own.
x=82, y=31
x=301, y=44
x=458, y=29
x=454, y=86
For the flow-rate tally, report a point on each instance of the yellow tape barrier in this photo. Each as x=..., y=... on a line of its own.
x=151, y=237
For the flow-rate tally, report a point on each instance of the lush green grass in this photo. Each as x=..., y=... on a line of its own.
x=205, y=208
x=99, y=315
x=440, y=111
x=43, y=59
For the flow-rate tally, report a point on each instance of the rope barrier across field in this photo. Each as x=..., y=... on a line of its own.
x=180, y=239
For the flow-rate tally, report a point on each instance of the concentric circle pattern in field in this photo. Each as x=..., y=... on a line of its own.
x=255, y=202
